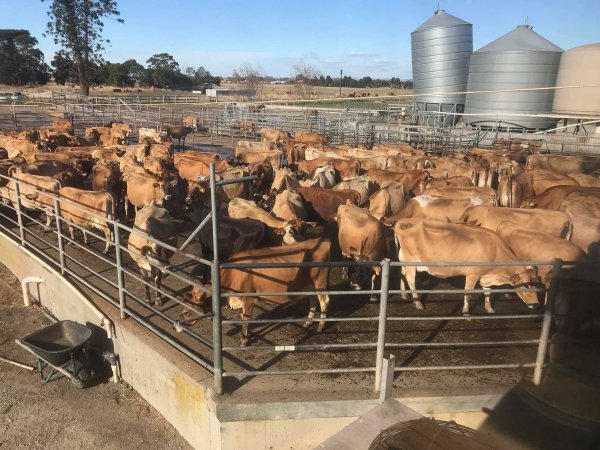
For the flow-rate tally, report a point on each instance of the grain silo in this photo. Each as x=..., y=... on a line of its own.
x=441, y=48
x=579, y=66
x=519, y=60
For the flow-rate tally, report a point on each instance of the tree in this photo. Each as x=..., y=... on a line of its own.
x=250, y=77
x=64, y=68
x=305, y=75
x=77, y=26
x=163, y=61
x=20, y=62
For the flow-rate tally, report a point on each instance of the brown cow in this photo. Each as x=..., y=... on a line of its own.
x=387, y=201
x=35, y=192
x=410, y=179
x=87, y=210
x=531, y=245
x=363, y=185
x=262, y=185
x=488, y=195
x=141, y=189
x=346, y=169
x=322, y=204
x=552, y=198
x=560, y=164
x=556, y=223
x=582, y=204
x=361, y=238
x=270, y=134
x=106, y=176
x=269, y=279
x=245, y=156
x=178, y=132
x=542, y=180
x=151, y=257
x=288, y=206
x=422, y=240
x=311, y=138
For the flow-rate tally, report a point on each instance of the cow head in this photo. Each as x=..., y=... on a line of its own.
x=527, y=279
x=297, y=230
x=161, y=193
x=195, y=190
x=199, y=297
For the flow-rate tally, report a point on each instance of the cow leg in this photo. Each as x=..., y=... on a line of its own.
x=311, y=312
x=146, y=277
x=246, y=314
x=487, y=293
x=85, y=237
x=109, y=237
x=470, y=281
x=411, y=276
x=48, y=219
x=157, y=282
x=323, y=302
x=72, y=233
x=373, y=297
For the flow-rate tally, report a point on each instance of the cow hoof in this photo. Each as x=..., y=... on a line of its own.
x=466, y=314
x=419, y=305
x=243, y=342
x=490, y=310
x=307, y=324
x=373, y=299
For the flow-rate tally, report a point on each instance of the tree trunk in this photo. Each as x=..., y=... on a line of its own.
x=84, y=88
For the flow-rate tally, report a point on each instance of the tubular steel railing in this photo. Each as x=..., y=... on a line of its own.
x=214, y=351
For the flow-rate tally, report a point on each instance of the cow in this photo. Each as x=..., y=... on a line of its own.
x=178, y=132
x=322, y=177
x=410, y=179
x=151, y=135
x=387, y=201
x=87, y=210
x=106, y=176
x=107, y=140
x=582, y=204
x=191, y=122
x=541, y=180
x=43, y=168
x=295, y=151
x=560, y=164
x=530, y=245
x=290, y=231
x=513, y=189
x=346, y=169
x=553, y=198
x=314, y=153
x=245, y=126
x=151, y=257
x=448, y=181
x=70, y=177
x=311, y=138
x=361, y=238
x=269, y=135
x=586, y=234
x=257, y=146
x=272, y=279
x=18, y=147
x=62, y=126
x=434, y=208
x=141, y=189
x=245, y=156
x=584, y=179
x=288, y=206
x=285, y=179
x=262, y=185
x=488, y=195
x=422, y=240
x=322, y=204
x=556, y=223
x=363, y=185
x=95, y=133
x=35, y=192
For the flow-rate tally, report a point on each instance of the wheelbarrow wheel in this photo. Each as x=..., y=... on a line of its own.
x=82, y=376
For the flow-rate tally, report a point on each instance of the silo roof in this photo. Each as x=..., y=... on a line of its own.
x=521, y=39
x=440, y=19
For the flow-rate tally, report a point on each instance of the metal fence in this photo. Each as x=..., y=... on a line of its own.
x=116, y=281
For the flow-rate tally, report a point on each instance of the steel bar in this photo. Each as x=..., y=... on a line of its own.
x=548, y=310
x=61, y=250
x=19, y=213
x=119, y=267
x=216, y=288
x=464, y=367
x=254, y=373
x=385, y=279
x=195, y=232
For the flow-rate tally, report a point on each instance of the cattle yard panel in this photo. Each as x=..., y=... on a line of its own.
x=122, y=289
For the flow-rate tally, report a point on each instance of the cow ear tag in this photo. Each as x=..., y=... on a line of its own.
x=405, y=226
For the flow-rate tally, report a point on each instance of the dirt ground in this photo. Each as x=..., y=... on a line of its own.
x=38, y=415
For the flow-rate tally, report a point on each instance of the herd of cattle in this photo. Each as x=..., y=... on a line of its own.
x=309, y=201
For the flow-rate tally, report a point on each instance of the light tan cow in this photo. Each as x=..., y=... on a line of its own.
x=35, y=192
x=488, y=195
x=422, y=240
x=246, y=156
x=288, y=206
x=87, y=210
x=151, y=135
x=556, y=223
x=311, y=138
x=363, y=185
x=387, y=201
x=434, y=208
x=530, y=245
x=270, y=134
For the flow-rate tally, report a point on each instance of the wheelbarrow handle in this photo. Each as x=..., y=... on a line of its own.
x=65, y=372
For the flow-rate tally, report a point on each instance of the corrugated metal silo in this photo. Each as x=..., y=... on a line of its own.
x=520, y=59
x=579, y=66
x=441, y=48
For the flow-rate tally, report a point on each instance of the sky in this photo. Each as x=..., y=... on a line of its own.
x=360, y=37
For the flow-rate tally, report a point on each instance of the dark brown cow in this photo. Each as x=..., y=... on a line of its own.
x=280, y=279
x=178, y=132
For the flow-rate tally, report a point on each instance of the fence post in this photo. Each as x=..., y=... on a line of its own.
x=120, y=278
x=383, y=298
x=18, y=208
x=547, y=322
x=59, y=235
x=216, y=287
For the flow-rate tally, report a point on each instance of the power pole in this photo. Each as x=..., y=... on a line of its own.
x=341, y=83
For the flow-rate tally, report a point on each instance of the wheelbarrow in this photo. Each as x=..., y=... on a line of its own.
x=62, y=346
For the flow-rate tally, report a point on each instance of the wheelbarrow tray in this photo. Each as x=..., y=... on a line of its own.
x=57, y=342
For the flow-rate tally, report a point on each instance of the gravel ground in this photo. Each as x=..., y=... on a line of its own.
x=35, y=415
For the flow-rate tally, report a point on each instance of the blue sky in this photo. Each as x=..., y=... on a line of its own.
x=360, y=37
